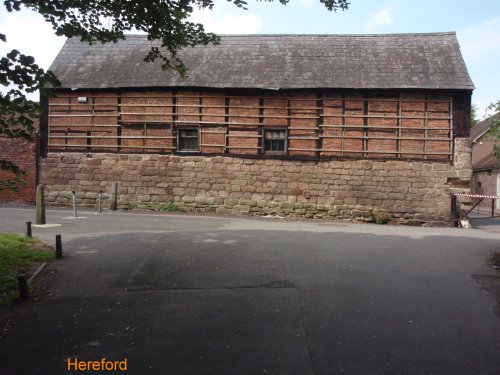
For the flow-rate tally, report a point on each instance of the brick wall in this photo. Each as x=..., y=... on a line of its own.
x=412, y=192
x=319, y=125
x=485, y=182
x=24, y=155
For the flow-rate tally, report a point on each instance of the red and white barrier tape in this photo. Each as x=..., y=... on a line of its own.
x=476, y=195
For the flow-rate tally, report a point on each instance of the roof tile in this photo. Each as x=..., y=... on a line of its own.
x=430, y=61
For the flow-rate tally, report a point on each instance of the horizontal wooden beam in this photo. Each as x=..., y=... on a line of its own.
x=108, y=137
x=110, y=146
x=168, y=95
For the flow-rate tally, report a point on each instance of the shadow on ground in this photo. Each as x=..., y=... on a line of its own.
x=265, y=302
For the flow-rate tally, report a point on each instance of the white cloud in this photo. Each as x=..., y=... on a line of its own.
x=228, y=23
x=381, y=19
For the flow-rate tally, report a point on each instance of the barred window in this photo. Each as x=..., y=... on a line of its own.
x=188, y=139
x=274, y=140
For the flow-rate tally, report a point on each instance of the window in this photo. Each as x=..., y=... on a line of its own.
x=274, y=141
x=187, y=139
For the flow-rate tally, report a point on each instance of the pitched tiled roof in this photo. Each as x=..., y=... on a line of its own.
x=482, y=127
x=482, y=155
x=430, y=61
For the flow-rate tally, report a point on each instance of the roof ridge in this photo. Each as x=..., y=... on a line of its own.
x=442, y=33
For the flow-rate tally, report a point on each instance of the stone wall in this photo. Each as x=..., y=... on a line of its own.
x=410, y=192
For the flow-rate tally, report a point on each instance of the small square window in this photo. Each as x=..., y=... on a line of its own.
x=274, y=140
x=188, y=139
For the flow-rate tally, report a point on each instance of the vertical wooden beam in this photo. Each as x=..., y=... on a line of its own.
x=342, y=139
x=365, y=125
x=398, y=141
x=92, y=119
x=319, y=123
x=89, y=141
x=260, y=141
x=44, y=126
x=119, y=121
x=451, y=133
x=174, y=120
x=426, y=125
x=200, y=119
x=68, y=122
x=288, y=123
x=227, y=103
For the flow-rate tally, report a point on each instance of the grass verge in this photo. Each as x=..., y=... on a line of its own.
x=18, y=254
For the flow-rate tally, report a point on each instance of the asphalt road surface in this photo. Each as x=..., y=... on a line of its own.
x=179, y=294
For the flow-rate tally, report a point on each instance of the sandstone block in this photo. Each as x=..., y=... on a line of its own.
x=230, y=202
x=241, y=209
x=248, y=202
x=287, y=206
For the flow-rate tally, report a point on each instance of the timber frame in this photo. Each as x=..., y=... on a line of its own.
x=321, y=123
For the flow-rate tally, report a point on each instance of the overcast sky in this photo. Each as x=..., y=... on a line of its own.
x=477, y=24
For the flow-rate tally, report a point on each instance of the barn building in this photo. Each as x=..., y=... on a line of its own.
x=351, y=127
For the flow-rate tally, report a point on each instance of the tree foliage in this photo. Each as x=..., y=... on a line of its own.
x=494, y=132
x=20, y=74
x=473, y=115
x=100, y=21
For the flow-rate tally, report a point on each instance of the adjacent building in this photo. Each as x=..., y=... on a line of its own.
x=486, y=174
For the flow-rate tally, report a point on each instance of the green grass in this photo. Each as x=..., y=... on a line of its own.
x=17, y=255
x=169, y=207
x=381, y=217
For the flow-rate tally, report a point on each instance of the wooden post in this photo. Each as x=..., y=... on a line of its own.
x=492, y=207
x=23, y=287
x=59, y=253
x=114, y=196
x=28, y=229
x=99, y=202
x=75, y=214
x=453, y=211
x=40, y=205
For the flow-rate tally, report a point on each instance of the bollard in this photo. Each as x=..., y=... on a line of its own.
x=75, y=214
x=99, y=202
x=40, y=205
x=114, y=197
x=59, y=253
x=23, y=287
x=453, y=211
x=28, y=229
